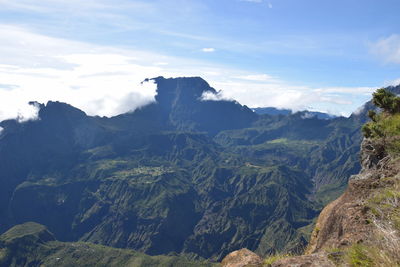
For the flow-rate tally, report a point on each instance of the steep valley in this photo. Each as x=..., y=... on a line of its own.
x=180, y=176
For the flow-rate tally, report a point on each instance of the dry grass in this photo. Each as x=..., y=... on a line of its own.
x=273, y=258
x=385, y=207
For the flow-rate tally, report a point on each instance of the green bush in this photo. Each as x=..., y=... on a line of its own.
x=386, y=100
x=387, y=123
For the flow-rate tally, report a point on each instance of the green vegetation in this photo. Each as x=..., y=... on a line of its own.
x=384, y=209
x=385, y=203
x=386, y=123
x=362, y=255
x=177, y=176
x=268, y=261
x=357, y=256
x=386, y=100
x=16, y=251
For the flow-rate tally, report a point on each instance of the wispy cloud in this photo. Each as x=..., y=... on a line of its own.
x=252, y=1
x=208, y=50
x=105, y=81
x=28, y=112
x=394, y=82
x=161, y=63
x=257, y=77
x=269, y=4
x=210, y=96
x=387, y=49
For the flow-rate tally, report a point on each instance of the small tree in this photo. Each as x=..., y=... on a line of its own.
x=386, y=100
x=372, y=115
x=389, y=103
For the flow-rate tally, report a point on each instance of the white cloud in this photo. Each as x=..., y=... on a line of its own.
x=106, y=81
x=28, y=112
x=208, y=50
x=1, y=130
x=210, y=96
x=281, y=94
x=257, y=77
x=269, y=5
x=308, y=115
x=161, y=63
x=392, y=82
x=99, y=80
x=359, y=110
x=387, y=49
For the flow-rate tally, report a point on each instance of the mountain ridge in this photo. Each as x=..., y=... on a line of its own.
x=129, y=181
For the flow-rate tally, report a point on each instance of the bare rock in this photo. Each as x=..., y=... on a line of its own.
x=344, y=221
x=242, y=258
x=313, y=260
x=373, y=159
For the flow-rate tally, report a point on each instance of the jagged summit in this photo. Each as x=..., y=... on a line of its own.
x=180, y=102
x=172, y=91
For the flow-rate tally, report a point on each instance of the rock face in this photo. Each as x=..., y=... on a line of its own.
x=345, y=220
x=348, y=221
x=361, y=217
x=242, y=258
x=373, y=158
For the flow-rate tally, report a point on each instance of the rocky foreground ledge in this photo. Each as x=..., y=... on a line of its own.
x=360, y=228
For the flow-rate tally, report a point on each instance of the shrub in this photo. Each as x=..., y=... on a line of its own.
x=386, y=100
x=386, y=123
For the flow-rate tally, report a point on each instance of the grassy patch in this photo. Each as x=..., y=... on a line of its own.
x=385, y=204
x=357, y=255
x=273, y=258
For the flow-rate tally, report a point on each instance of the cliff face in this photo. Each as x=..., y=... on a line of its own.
x=362, y=226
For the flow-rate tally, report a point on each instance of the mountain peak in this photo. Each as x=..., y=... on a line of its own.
x=181, y=100
x=55, y=110
x=171, y=91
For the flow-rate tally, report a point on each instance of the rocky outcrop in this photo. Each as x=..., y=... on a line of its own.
x=373, y=159
x=242, y=258
x=344, y=221
x=348, y=221
x=313, y=260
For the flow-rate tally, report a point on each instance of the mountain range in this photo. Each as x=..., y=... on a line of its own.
x=182, y=175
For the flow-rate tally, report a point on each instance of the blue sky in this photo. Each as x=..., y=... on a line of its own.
x=321, y=55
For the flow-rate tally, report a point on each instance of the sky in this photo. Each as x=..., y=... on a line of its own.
x=318, y=55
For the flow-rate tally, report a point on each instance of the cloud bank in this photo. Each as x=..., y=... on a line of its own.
x=106, y=81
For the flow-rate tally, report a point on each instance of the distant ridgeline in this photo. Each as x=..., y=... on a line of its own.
x=362, y=226
x=180, y=175
x=306, y=113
